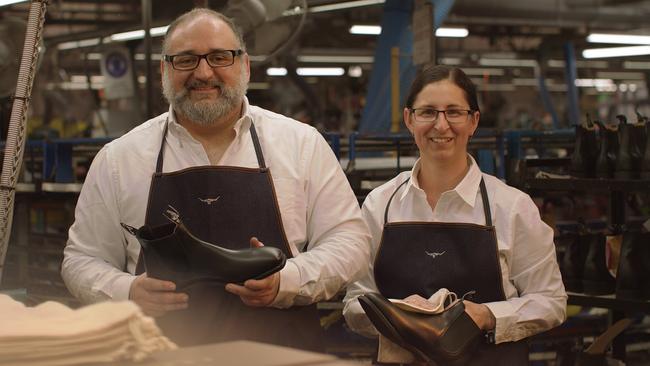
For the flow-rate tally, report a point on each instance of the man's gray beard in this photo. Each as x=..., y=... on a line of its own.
x=207, y=111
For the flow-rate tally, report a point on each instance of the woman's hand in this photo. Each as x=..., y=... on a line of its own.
x=481, y=315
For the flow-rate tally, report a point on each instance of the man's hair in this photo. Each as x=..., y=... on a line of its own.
x=199, y=12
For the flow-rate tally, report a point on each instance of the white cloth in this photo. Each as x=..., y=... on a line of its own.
x=316, y=203
x=536, y=299
x=53, y=334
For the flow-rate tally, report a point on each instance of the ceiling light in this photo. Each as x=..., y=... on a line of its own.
x=355, y=71
x=137, y=34
x=618, y=38
x=9, y=2
x=365, y=29
x=616, y=52
x=440, y=32
x=344, y=5
x=276, y=71
x=452, y=32
x=337, y=59
x=638, y=65
x=590, y=83
x=507, y=62
x=320, y=71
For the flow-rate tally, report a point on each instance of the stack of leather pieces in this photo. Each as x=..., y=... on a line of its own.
x=53, y=334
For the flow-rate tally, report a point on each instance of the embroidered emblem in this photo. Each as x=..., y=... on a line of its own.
x=434, y=254
x=209, y=201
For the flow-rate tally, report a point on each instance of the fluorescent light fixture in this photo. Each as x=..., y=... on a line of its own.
x=451, y=61
x=344, y=5
x=636, y=65
x=505, y=62
x=320, y=71
x=337, y=59
x=452, y=32
x=616, y=52
x=620, y=75
x=137, y=34
x=78, y=44
x=618, y=38
x=355, y=71
x=440, y=32
x=258, y=85
x=365, y=29
x=10, y=2
x=276, y=71
x=483, y=71
x=591, y=83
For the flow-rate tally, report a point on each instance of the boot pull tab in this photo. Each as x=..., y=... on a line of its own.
x=621, y=119
x=469, y=295
x=133, y=231
x=590, y=123
x=171, y=213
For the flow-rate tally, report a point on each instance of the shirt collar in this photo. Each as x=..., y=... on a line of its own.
x=242, y=124
x=466, y=189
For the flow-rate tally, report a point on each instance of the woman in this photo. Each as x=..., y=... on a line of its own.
x=445, y=224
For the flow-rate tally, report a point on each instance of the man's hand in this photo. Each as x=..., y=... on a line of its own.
x=257, y=292
x=156, y=297
x=481, y=315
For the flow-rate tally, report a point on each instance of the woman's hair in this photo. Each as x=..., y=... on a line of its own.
x=434, y=73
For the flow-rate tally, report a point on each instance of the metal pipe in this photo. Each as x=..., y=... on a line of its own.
x=148, y=86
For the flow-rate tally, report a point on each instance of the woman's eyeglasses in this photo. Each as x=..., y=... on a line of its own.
x=430, y=115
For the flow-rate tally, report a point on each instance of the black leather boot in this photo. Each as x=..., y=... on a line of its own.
x=573, y=263
x=448, y=338
x=645, y=161
x=596, y=278
x=632, y=138
x=606, y=162
x=172, y=253
x=633, y=274
x=583, y=160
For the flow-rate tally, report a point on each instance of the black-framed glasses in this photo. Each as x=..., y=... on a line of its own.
x=188, y=62
x=430, y=115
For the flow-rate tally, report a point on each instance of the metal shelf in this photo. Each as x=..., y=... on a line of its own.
x=609, y=302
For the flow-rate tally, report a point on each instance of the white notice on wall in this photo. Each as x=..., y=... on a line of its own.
x=117, y=71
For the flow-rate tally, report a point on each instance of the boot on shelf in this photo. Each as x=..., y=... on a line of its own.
x=573, y=263
x=609, y=146
x=633, y=273
x=632, y=139
x=645, y=162
x=583, y=160
x=596, y=279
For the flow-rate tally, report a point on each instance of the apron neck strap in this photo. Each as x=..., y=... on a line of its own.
x=486, y=203
x=258, y=148
x=484, y=198
x=256, y=144
x=159, y=161
x=391, y=199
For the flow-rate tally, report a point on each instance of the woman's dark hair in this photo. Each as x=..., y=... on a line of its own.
x=433, y=73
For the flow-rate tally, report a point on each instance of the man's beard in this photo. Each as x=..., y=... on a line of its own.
x=205, y=111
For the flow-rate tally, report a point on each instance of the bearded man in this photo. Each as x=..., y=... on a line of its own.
x=231, y=170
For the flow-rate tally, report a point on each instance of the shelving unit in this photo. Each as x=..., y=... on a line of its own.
x=616, y=190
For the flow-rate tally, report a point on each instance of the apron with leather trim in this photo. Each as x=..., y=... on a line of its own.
x=226, y=206
x=422, y=257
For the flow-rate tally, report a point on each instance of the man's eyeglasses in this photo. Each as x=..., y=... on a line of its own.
x=430, y=115
x=188, y=62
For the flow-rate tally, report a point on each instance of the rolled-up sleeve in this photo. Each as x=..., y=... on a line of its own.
x=534, y=272
x=95, y=257
x=338, y=243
